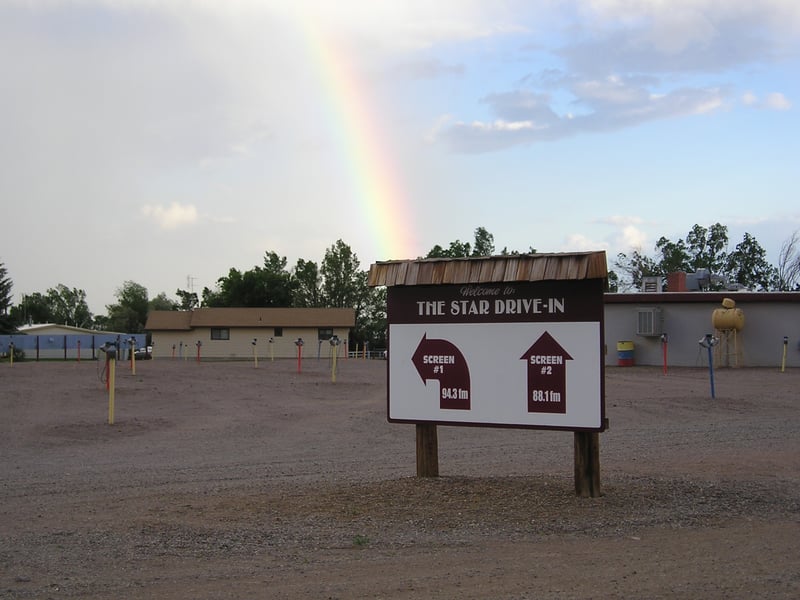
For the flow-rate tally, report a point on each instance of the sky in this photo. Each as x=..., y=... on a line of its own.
x=167, y=141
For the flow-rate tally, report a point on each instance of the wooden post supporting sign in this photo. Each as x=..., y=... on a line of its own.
x=427, y=450
x=587, y=464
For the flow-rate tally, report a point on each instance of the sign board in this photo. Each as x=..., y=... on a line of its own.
x=520, y=354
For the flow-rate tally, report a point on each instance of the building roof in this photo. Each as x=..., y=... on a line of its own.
x=160, y=320
x=178, y=320
x=669, y=297
x=40, y=328
x=490, y=269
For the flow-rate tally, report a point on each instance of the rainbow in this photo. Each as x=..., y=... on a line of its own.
x=381, y=198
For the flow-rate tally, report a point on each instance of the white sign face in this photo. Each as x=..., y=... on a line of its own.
x=513, y=355
x=506, y=384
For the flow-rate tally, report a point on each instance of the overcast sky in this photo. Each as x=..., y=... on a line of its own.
x=165, y=142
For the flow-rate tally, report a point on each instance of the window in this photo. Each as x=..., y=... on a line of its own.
x=220, y=333
x=277, y=332
x=324, y=333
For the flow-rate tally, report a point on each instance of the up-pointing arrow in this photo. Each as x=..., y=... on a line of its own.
x=547, y=375
x=443, y=361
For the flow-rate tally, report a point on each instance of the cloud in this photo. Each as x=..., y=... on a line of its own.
x=577, y=242
x=749, y=99
x=773, y=101
x=628, y=232
x=526, y=118
x=522, y=106
x=631, y=237
x=171, y=217
x=684, y=35
x=611, y=90
x=616, y=64
x=777, y=101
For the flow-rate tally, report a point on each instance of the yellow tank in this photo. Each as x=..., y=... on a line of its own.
x=728, y=317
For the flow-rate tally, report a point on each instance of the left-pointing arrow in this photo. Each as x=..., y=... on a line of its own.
x=443, y=361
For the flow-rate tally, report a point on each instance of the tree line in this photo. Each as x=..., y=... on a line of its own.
x=745, y=267
x=338, y=281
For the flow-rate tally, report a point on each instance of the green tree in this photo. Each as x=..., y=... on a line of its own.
x=343, y=284
x=235, y=289
x=747, y=265
x=6, y=324
x=634, y=268
x=457, y=249
x=706, y=248
x=278, y=281
x=483, y=246
x=484, y=243
x=187, y=300
x=674, y=256
x=373, y=322
x=61, y=304
x=34, y=308
x=307, y=286
x=270, y=285
x=162, y=302
x=129, y=314
x=506, y=252
x=612, y=282
x=703, y=248
x=101, y=323
x=237, y=292
x=68, y=306
x=213, y=298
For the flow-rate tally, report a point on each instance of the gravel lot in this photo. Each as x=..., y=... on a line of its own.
x=222, y=480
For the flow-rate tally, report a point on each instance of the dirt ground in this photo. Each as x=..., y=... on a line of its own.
x=223, y=480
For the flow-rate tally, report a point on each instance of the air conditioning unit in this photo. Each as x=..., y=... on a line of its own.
x=649, y=322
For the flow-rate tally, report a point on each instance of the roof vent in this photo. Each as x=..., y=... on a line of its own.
x=652, y=285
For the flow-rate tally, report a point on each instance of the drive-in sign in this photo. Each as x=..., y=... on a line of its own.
x=505, y=354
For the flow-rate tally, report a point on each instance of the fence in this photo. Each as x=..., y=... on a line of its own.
x=66, y=347
x=367, y=354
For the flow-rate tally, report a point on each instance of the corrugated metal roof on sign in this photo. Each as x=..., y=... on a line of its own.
x=521, y=267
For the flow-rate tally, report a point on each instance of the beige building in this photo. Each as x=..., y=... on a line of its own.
x=230, y=333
